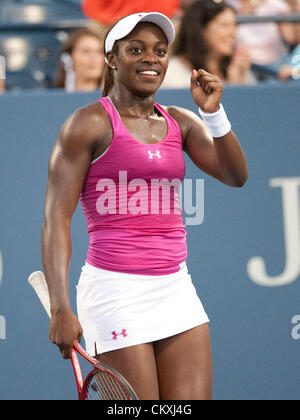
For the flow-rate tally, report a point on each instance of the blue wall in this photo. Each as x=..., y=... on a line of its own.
x=255, y=346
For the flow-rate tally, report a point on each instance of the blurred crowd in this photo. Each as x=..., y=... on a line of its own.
x=208, y=37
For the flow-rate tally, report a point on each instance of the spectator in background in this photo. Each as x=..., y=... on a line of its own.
x=2, y=74
x=267, y=42
x=207, y=40
x=82, y=62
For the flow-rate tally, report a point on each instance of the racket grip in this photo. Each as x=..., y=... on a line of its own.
x=38, y=282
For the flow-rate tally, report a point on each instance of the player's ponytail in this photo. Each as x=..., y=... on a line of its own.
x=108, y=81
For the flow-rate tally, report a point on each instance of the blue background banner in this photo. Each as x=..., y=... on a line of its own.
x=252, y=302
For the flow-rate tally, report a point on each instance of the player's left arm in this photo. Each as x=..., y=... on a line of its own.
x=222, y=157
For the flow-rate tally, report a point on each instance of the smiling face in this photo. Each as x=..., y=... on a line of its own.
x=88, y=58
x=142, y=60
x=221, y=32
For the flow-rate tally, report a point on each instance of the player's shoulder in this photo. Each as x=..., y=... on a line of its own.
x=182, y=116
x=178, y=112
x=92, y=113
x=187, y=120
x=87, y=121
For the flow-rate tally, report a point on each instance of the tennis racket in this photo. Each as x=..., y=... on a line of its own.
x=103, y=382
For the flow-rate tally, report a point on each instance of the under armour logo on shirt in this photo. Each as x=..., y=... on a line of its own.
x=152, y=155
x=117, y=334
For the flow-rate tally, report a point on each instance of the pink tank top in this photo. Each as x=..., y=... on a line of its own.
x=131, y=200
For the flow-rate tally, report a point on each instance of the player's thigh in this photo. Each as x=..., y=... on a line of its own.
x=184, y=365
x=137, y=364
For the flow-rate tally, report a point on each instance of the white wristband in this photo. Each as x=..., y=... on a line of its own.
x=217, y=123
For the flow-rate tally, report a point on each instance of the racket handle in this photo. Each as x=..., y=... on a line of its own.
x=38, y=282
x=77, y=371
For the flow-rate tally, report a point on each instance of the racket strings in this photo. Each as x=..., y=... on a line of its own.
x=103, y=386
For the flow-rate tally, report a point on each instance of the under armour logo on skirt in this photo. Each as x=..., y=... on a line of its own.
x=115, y=334
x=152, y=155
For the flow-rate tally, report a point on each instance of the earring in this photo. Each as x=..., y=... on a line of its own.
x=114, y=67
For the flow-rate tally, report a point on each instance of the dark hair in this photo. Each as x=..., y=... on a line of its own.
x=191, y=42
x=108, y=80
x=68, y=48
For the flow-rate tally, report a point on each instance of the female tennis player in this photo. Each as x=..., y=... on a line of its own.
x=137, y=307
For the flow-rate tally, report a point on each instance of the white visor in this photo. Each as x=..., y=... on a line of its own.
x=127, y=24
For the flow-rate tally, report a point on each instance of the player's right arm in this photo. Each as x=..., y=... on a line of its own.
x=69, y=163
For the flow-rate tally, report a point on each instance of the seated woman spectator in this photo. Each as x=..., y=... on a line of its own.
x=81, y=62
x=207, y=40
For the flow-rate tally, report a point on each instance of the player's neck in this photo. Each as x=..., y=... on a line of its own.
x=128, y=103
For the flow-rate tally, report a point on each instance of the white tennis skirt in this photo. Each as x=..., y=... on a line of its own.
x=118, y=310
